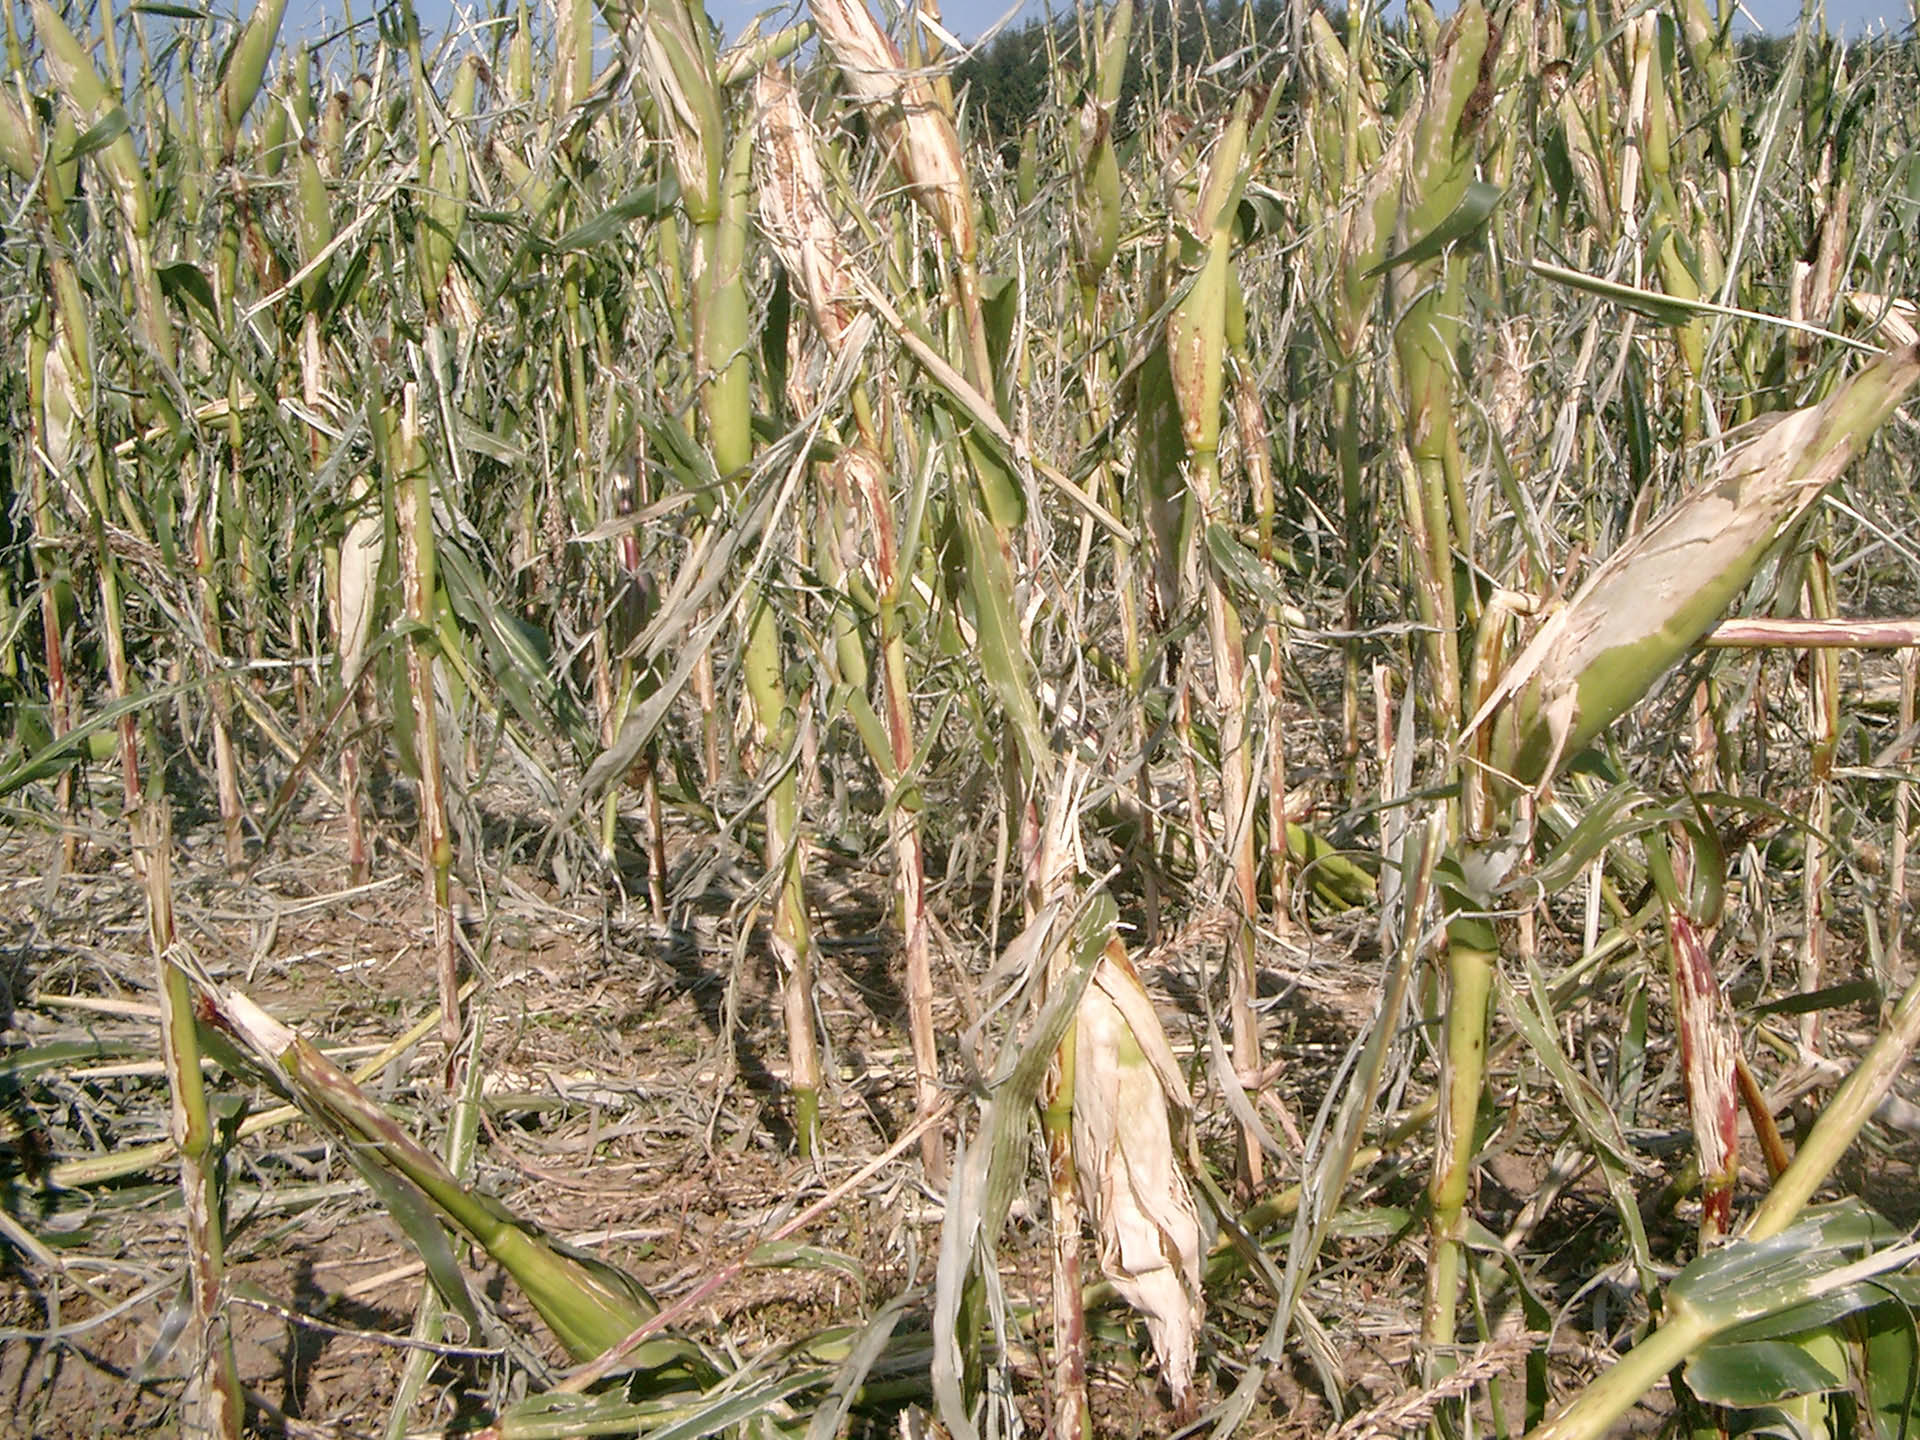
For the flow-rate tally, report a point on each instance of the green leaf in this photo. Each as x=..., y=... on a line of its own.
x=52, y=758
x=414, y=1214
x=109, y=128
x=559, y=1415
x=1250, y=583
x=1000, y=651
x=1831, y=997
x=1757, y=1372
x=1004, y=307
x=1667, y=309
x=1822, y=1311
x=1749, y=1280
x=1262, y=212
x=792, y=1255
x=1890, y=1355
x=727, y=1411
x=482, y=441
x=649, y=202
x=517, y=654
x=830, y=1419
x=184, y=281
x=1466, y=220
x=32, y=1060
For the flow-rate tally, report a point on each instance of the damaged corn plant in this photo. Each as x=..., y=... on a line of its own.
x=1254, y=700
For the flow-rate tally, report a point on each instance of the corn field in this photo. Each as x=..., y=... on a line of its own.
x=691, y=748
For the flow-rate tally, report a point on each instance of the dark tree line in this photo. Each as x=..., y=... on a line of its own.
x=1006, y=79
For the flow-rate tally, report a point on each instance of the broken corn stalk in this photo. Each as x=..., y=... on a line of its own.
x=591, y=1306
x=213, y=1403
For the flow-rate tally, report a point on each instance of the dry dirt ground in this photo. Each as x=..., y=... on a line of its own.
x=632, y=1077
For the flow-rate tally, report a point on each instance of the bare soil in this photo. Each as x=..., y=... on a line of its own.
x=633, y=1081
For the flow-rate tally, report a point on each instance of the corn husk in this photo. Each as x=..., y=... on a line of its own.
x=1131, y=1184
x=247, y=69
x=792, y=194
x=676, y=55
x=19, y=139
x=919, y=129
x=1655, y=596
x=360, y=554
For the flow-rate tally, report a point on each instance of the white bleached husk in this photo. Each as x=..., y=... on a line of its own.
x=1131, y=1185
x=792, y=191
x=60, y=411
x=360, y=553
x=920, y=133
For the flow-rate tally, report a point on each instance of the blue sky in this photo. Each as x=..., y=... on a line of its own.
x=970, y=18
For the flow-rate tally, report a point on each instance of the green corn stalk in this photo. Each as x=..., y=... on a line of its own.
x=915, y=115
x=1823, y=733
x=90, y=104
x=1256, y=455
x=49, y=418
x=440, y=216
x=1348, y=154
x=571, y=79
x=1897, y=849
x=796, y=214
x=81, y=87
x=1637, y=614
x=715, y=174
x=129, y=1160
x=351, y=557
x=1431, y=291
x=633, y=609
x=917, y=121
x=246, y=70
x=1472, y=955
x=904, y=824
x=1100, y=204
x=213, y=1402
x=590, y=1306
x=1433, y=294
x=1196, y=360
x=1709, y=49
x=408, y=476
x=1665, y=213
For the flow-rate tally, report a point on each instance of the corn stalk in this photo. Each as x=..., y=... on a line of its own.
x=213, y=1403
x=715, y=174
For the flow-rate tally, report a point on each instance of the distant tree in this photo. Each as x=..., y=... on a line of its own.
x=1006, y=79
